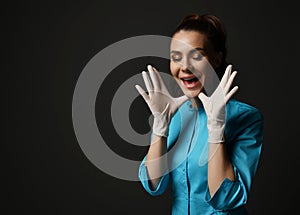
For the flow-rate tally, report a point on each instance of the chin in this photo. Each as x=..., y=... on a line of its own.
x=192, y=94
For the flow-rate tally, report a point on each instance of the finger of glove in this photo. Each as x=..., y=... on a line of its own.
x=231, y=93
x=205, y=100
x=226, y=76
x=229, y=82
x=147, y=82
x=154, y=78
x=142, y=92
x=161, y=81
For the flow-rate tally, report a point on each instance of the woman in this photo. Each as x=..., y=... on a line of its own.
x=205, y=143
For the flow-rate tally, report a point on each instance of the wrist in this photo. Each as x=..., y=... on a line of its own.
x=216, y=134
x=160, y=125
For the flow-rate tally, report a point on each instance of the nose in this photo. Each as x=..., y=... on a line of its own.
x=185, y=66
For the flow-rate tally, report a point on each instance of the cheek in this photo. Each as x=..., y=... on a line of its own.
x=200, y=65
x=174, y=69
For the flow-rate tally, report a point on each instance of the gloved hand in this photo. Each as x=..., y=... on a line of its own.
x=214, y=106
x=161, y=103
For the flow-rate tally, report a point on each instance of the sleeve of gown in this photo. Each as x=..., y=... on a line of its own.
x=143, y=176
x=244, y=149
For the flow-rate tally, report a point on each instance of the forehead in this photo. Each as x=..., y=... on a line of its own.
x=188, y=40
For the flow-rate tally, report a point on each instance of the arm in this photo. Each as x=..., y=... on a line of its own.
x=163, y=106
x=230, y=179
x=219, y=166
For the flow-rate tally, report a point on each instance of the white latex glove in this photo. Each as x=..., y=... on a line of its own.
x=214, y=106
x=161, y=103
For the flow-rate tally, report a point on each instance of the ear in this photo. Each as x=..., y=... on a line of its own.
x=218, y=59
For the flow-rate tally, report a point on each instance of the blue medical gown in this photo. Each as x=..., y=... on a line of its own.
x=188, y=155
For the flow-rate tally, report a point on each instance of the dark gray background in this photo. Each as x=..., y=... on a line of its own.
x=46, y=44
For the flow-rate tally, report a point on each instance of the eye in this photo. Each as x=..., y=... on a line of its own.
x=197, y=56
x=176, y=57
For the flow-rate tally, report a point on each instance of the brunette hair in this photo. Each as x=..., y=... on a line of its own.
x=213, y=28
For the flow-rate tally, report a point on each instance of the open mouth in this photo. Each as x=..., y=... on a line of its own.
x=190, y=82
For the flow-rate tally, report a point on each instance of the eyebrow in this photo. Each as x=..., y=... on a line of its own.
x=199, y=49
x=193, y=50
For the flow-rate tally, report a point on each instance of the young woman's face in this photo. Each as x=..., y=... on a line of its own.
x=191, y=57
